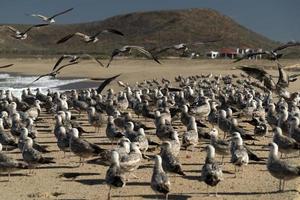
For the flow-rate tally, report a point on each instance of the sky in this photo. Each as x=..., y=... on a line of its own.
x=277, y=19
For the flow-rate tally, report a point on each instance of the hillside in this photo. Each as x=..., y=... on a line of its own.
x=149, y=29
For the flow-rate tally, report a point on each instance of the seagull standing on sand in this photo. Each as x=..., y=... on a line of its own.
x=32, y=156
x=239, y=154
x=114, y=175
x=211, y=172
x=51, y=20
x=280, y=169
x=8, y=164
x=82, y=148
x=160, y=182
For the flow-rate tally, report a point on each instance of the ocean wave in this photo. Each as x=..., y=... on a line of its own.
x=17, y=83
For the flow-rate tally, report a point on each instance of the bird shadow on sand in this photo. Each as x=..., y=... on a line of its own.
x=44, y=130
x=47, y=142
x=13, y=175
x=153, y=196
x=71, y=199
x=257, y=163
x=91, y=181
x=248, y=193
x=145, y=166
x=74, y=175
x=138, y=183
x=58, y=167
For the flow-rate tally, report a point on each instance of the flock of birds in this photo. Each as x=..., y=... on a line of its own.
x=200, y=102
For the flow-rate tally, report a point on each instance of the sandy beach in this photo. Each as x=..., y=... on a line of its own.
x=65, y=181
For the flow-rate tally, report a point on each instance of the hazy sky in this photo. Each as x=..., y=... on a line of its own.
x=276, y=19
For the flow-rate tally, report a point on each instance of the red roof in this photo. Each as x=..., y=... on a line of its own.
x=227, y=51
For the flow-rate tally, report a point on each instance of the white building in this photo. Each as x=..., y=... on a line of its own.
x=212, y=54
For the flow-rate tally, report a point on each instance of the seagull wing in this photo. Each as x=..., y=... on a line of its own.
x=95, y=59
x=39, y=16
x=81, y=34
x=13, y=29
x=113, y=54
x=114, y=31
x=66, y=65
x=105, y=83
x=283, y=80
x=294, y=75
x=61, y=13
x=289, y=44
x=41, y=76
x=6, y=66
x=159, y=51
x=34, y=26
x=66, y=38
x=58, y=62
x=145, y=52
x=254, y=72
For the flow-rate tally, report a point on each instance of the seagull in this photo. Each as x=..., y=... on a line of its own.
x=272, y=55
x=160, y=181
x=23, y=35
x=114, y=175
x=53, y=74
x=239, y=154
x=6, y=66
x=81, y=147
x=51, y=20
x=211, y=172
x=33, y=157
x=8, y=164
x=279, y=168
x=183, y=46
x=128, y=49
x=75, y=58
x=89, y=38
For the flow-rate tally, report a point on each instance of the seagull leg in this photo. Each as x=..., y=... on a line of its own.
x=167, y=196
x=216, y=191
x=283, y=184
x=279, y=185
x=108, y=195
x=8, y=175
x=235, y=171
x=222, y=160
x=207, y=190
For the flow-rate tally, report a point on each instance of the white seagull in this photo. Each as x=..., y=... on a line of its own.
x=23, y=35
x=89, y=38
x=50, y=20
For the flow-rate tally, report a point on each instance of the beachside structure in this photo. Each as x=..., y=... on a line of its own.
x=212, y=54
x=233, y=53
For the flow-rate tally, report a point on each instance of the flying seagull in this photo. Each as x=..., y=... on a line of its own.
x=53, y=73
x=105, y=83
x=182, y=46
x=283, y=79
x=127, y=49
x=50, y=20
x=75, y=58
x=6, y=66
x=272, y=55
x=23, y=35
x=89, y=38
